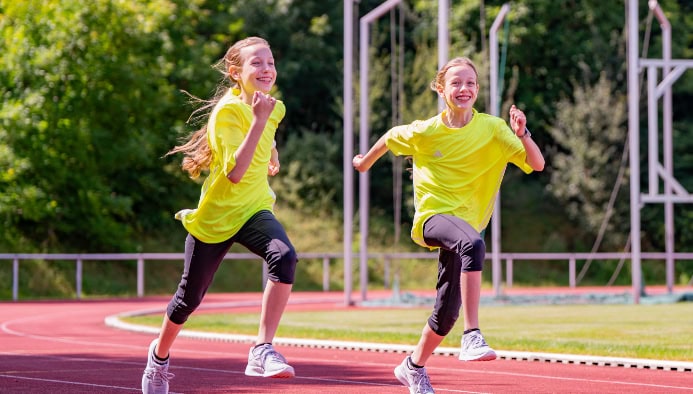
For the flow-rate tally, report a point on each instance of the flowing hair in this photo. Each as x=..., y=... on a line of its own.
x=197, y=153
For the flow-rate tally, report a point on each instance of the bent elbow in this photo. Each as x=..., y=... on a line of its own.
x=234, y=178
x=539, y=166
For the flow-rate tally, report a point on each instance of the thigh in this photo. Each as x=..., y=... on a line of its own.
x=447, y=232
x=260, y=231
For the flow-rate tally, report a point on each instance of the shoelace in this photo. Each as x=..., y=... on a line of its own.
x=476, y=340
x=158, y=375
x=422, y=382
x=273, y=355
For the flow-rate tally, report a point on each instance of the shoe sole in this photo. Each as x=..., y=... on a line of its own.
x=283, y=374
x=488, y=356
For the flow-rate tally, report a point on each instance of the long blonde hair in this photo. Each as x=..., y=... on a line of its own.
x=196, y=151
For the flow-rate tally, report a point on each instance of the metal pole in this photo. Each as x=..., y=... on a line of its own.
x=348, y=192
x=495, y=110
x=443, y=39
x=667, y=117
x=140, y=277
x=15, y=279
x=634, y=141
x=364, y=134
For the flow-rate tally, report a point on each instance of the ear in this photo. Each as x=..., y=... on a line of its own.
x=234, y=73
x=441, y=90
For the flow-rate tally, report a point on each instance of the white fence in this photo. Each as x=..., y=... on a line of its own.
x=386, y=258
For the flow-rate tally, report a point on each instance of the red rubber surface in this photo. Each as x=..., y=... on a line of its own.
x=65, y=347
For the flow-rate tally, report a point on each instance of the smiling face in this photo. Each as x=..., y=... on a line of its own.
x=459, y=87
x=256, y=72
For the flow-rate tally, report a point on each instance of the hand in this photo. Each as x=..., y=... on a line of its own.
x=358, y=163
x=263, y=105
x=518, y=121
x=273, y=164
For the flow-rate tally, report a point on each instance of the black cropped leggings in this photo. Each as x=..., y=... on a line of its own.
x=262, y=234
x=461, y=250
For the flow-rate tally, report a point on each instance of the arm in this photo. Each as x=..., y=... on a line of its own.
x=363, y=163
x=518, y=122
x=263, y=104
x=274, y=163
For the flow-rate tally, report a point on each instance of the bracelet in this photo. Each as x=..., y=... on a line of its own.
x=526, y=134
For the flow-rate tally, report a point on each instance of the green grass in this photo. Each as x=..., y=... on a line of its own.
x=661, y=332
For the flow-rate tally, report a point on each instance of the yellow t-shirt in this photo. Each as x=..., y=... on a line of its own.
x=457, y=171
x=224, y=206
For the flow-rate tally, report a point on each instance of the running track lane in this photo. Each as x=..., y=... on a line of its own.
x=65, y=347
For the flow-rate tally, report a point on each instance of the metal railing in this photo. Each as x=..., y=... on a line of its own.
x=327, y=258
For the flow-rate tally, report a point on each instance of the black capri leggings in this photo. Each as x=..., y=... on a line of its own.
x=461, y=250
x=262, y=234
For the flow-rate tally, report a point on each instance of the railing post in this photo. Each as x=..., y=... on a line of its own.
x=571, y=272
x=326, y=273
x=509, y=272
x=386, y=271
x=140, y=277
x=15, y=279
x=78, y=278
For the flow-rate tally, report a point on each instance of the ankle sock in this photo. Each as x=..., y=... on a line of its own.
x=158, y=360
x=411, y=364
x=470, y=330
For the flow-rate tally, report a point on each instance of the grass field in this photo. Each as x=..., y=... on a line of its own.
x=661, y=332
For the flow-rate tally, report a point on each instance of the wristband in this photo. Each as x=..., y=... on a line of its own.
x=526, y=134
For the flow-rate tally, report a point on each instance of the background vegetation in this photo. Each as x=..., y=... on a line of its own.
x=93, y=97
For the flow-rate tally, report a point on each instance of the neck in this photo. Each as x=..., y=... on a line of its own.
x=457, y=119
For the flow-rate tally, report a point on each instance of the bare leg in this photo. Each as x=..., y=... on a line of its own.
x=471, y=293
x=169, y=332
x=428, y=342
x=274, y=301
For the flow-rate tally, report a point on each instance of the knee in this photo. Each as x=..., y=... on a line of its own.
x=179, y=310
x=281, y=261
x=473, y=260
x=442, y=325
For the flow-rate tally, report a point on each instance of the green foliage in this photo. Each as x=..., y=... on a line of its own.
x=590, y=135
x=311, y=172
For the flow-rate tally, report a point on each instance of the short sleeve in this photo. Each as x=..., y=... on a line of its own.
x=229, y=132
x=512, y=147
x=401, y=140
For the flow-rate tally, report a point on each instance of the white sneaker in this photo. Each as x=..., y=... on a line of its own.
x=416, y=379
x=266, y=362
x=474, y=348
x=156, y=376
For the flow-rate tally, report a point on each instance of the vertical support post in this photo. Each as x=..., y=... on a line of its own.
x=364, y=134
x=325, y=273
x=667, y=119
x=78, y=278
x=509, y=272
x=571, y=273
x=495, y=110
x=634, y=141
x=443, y=39
x=15, y=279
x=140, y=277
x=348, y=141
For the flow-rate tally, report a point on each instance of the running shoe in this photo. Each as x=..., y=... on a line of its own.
x=266, y=362
x=156, y=376
x=416, y=379
x=474, y=348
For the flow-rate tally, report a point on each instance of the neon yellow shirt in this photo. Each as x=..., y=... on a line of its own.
x=457, y=171
x=224, y=207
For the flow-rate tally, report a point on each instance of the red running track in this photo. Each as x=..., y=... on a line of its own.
x=65, y=347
